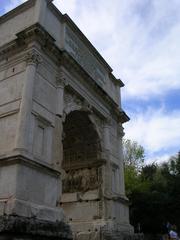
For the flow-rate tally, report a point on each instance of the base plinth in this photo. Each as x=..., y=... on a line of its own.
x=20, y=228
x=107, y=236
x=104, y=231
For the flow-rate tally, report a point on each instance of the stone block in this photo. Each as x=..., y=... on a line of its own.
x=69, y=197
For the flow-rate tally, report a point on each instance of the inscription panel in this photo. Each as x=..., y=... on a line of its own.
x=84, y=57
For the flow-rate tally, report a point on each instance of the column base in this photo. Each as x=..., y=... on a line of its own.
x=20, y=228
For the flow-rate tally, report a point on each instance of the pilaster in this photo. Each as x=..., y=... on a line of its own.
x=120, y=135
x=22, y=138
x=61, y=83
x=107, y=167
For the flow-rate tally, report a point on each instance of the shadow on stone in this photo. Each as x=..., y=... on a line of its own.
x=13, y=227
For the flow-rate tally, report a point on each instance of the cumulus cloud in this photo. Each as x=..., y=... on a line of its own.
x=158, y=159
x=156, y=129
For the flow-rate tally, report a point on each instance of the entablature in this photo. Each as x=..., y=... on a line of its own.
x=37, y=34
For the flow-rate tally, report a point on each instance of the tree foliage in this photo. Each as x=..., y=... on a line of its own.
x=154, y=194
x=133, y=162
x=133, y=154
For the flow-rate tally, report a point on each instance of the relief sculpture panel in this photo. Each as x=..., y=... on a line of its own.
x=81, y=180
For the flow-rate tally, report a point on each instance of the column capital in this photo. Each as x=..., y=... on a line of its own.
x=61, y=79
x=33, y=57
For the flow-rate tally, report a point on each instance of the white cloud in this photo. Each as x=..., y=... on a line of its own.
x=156, y=130
x=66, y=6
x=158, y=159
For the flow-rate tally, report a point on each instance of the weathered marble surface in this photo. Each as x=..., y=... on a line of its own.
x=14, y=227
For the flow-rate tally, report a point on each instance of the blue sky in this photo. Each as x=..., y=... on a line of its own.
x=140, y=40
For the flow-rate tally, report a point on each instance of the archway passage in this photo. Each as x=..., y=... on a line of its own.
x=82, y=164
x=81, y=154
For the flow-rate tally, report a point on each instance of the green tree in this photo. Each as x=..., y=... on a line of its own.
x=174, y=164
x=133, y=154
x=157, y=198
x=133, y=162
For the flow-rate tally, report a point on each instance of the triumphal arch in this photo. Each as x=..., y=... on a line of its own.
x=61, y=164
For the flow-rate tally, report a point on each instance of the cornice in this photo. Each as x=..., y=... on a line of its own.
x=122, y=116
x=61, y=57
x=68, y=59
x=33, y=33
x=84, y=39
x=116, y=81
x=66, y=19
x=20, y=159
x=118, y=198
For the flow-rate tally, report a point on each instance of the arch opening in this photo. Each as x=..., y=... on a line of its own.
x=81, y=154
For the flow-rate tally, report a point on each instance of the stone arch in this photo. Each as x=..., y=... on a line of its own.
x=81, y=153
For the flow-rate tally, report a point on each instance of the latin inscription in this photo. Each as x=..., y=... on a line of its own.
x=84, y=57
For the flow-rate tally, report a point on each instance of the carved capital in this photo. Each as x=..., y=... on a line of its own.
x=61, y=80
x=33, y=58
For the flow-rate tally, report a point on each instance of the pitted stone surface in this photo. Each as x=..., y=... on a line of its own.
x=13, y=225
